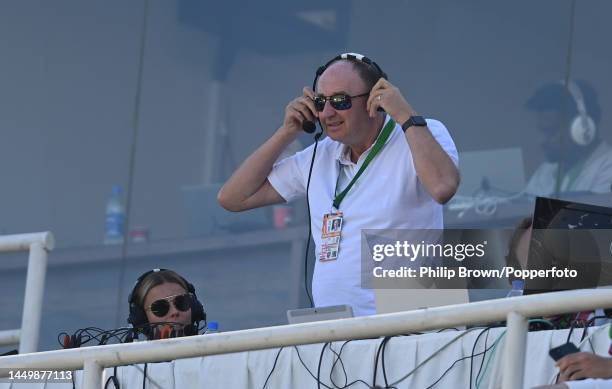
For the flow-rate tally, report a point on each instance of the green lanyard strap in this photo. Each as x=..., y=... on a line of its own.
x=380, y=142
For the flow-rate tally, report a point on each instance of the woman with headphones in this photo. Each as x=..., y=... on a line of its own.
x=163, y=305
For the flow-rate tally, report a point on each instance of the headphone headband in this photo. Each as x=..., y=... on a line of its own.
x=355, y=57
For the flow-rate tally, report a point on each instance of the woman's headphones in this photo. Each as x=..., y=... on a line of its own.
x=138, y=317
x=583, y=130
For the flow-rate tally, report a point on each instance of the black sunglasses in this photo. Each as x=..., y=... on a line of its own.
x=160, y=307
x=340, y=102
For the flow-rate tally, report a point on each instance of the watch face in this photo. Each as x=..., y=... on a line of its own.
x=419, y=121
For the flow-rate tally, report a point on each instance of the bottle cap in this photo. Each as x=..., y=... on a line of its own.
x=213, y=326
x=116, y=189
x=518, y=284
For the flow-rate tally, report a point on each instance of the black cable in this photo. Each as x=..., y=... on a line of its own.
x=85, y=335
x=308, y=370
x=378, y=351
x=319, y=367
x=114, y=379
x=454, y=363
x=384, y=369
x=314, y=153
x=376, y=361
x=482, y=359
x=273, y=367
x=321, y=383
x=569, y=335
x=472, y=355
x=108, y=381
x=144, y=376
x=338, y=359
x=447, y=329
x=590, y=322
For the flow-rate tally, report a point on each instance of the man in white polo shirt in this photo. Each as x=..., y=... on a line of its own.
x=375, y=170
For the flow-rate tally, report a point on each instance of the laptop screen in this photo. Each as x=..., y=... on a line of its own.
x=570, y=235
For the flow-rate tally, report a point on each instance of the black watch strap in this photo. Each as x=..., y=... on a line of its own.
x=414, y=120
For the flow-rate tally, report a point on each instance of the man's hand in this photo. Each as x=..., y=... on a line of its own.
x=386, y=95
x=584, y=365
x=433, y=166
x=300, y=109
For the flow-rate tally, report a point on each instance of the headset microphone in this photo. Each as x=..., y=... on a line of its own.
x=308, y=126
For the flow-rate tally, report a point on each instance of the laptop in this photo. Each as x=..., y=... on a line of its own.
x=497, y=169
x=400, y=300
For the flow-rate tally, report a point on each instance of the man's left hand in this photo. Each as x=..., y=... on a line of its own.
x=388, y=97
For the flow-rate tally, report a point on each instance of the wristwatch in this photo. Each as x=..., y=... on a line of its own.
x=415, y=120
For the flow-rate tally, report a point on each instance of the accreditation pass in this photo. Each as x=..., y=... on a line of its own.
x=330, y=236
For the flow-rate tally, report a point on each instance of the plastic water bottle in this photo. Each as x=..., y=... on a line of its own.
x=212, y=327
x=517, y=288
x=115, y=218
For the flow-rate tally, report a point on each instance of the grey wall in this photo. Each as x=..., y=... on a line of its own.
x=69, y=78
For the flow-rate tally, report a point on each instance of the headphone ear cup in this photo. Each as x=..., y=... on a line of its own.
x=137, y=317
x=197, y=310
x=583, y=130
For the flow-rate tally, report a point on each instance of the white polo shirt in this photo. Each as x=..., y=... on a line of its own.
x=388, y=195
x=595, y=175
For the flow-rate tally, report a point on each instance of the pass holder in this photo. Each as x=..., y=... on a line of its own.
x=330, y=236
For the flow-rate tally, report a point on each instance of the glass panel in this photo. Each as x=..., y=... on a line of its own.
x=215, y=82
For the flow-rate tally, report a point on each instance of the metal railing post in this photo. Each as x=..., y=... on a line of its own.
x=514, y=355
x=32, y=303
x=92, y=374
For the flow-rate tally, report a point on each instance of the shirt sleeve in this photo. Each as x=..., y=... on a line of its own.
x=288, y=177
x=444, y=139
x=603, y=177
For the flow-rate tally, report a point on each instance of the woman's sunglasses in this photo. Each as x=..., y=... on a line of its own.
x=340, y=102
x=160, y=307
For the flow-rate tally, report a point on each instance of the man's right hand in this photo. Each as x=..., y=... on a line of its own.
x=299, y=110
x=249, y=187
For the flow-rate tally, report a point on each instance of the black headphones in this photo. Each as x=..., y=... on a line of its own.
x=349, y=57
x=309, y=126
x=138, y=318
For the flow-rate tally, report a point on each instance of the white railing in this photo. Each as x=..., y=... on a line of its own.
x=37, y=244
x=515, y=310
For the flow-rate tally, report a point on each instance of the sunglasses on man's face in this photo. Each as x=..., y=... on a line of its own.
x=339, y=102
x=160, y=307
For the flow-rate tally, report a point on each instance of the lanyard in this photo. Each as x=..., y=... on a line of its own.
x=569, y=178
x=380, y=142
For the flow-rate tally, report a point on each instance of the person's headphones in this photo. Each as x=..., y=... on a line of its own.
x=355, y=57
x=309, y=126
x=582, y=127
x=138, y=317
